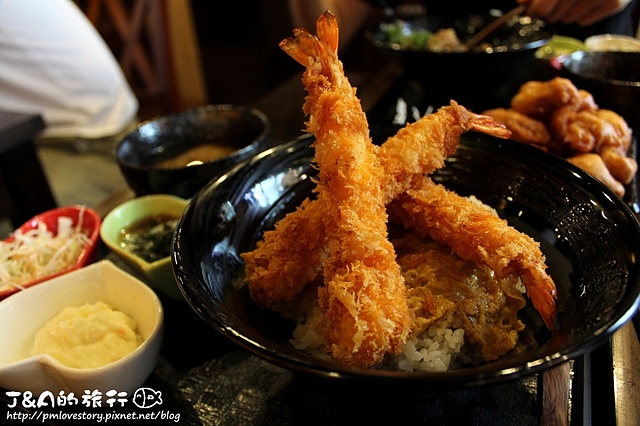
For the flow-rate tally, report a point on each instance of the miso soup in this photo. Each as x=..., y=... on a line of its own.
x=198, y=154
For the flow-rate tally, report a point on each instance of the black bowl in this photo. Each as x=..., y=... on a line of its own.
x=494, y=73
x=240, y=131
x=613, y=78
x=589, y=236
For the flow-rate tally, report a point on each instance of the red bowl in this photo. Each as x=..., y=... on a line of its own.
x=90, y=226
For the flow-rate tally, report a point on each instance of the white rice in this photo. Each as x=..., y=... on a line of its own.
x=436, y=349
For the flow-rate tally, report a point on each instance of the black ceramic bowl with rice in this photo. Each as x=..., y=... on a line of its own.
x=179, y=153
x=589, y=236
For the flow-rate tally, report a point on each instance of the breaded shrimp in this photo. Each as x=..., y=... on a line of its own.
x=420, y=148
x=477, y=235
x=288, y=257
x=363, y=297
x=523, y=128
x=417, y=149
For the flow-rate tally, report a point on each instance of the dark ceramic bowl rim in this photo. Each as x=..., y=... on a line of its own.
x=237, y=154
x=372, y=34
x=575, y=57
x=494, y=372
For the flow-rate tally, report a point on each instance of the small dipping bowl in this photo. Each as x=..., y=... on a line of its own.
x=181, y=152
x=22, y=315
x=158, y=273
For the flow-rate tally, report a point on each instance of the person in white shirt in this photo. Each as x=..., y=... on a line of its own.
x=55, y=63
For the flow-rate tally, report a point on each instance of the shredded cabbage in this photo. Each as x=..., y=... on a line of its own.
x=38, y=253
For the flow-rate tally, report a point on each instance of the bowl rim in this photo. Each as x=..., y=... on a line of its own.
x=494, y=372
x=503, y=49
x=575, y=57
x=238, y=153
x=85, y=257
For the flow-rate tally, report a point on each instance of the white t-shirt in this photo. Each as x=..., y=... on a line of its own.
x=55, y=63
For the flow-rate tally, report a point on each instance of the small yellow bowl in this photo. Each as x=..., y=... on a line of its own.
x=159, y=273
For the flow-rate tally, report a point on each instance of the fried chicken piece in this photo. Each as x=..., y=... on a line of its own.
x=594, y=165
x=539, y=99
x=523, y=128
x=621, y=142
x=582, y=131
x=621, y=167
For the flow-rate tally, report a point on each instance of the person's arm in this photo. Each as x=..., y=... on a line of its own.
x=581, y=12
x=351, y=15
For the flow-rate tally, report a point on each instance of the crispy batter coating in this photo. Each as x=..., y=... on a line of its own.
x=476, y=234
x=576, y=125
x=363, y=297
x=341, y=236
x=523, y=128
x=595, y=166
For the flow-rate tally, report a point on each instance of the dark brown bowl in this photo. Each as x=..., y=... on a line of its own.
x=241, y=131
x=613, y=78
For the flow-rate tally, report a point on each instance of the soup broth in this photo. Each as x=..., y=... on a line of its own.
x=150, y=238
x=198, y=154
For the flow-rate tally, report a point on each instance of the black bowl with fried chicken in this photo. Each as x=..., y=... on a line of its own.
x=590, y=238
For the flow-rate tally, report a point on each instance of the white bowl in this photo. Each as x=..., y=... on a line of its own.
x=24, y=313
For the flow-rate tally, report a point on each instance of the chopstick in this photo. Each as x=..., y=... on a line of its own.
x=494, y=25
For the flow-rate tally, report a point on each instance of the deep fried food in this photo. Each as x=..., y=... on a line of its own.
x=363, y=297
x=621, y=141
x=538, y=99
x=417, y=149
x=576, y=125
x=288, y=257
x=583, y=131
x=523, y=128
x=595, y=166
x=478, y=235
x=621, y=167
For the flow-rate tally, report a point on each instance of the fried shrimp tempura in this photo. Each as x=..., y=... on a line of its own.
x=341, y=236
x=523, y=128
x=363, y=297
x=288, y=257
x=477, y=235
x=417, y=149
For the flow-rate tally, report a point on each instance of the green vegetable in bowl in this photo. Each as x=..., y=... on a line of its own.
x=399, y=33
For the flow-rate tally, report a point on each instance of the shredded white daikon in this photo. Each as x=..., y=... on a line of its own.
x=38, y=253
